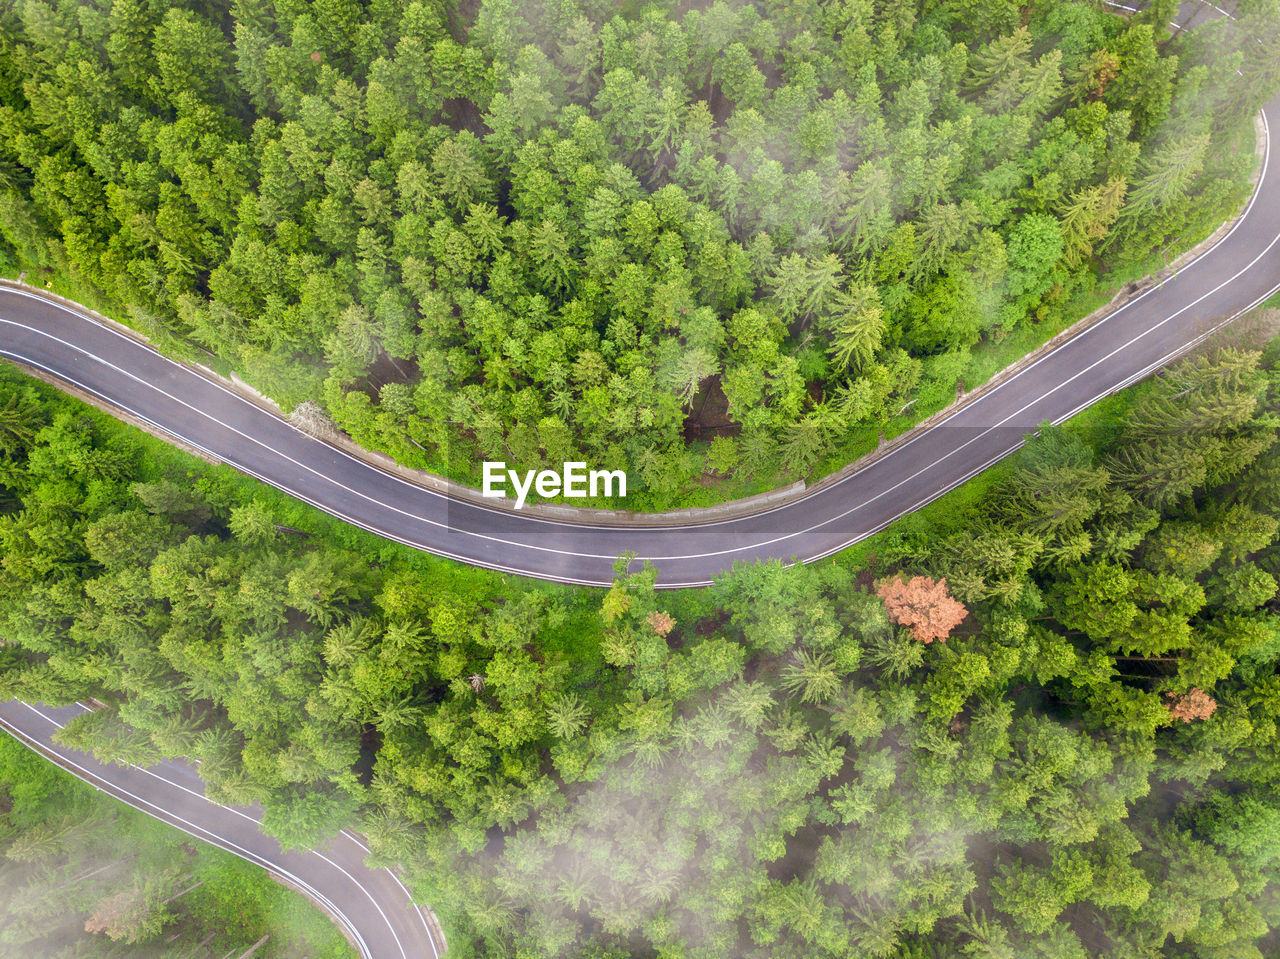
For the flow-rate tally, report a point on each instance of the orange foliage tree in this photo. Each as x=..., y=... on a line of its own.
x=923, y=606
x=1195, y=703
x=661, y=623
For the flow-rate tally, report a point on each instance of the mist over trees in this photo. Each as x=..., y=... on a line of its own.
x=83, y=876
x=1040, y=725
x=691, y=241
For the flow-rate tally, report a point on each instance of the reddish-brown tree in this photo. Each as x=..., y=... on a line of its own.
x=660, y=622
x=923, y=606
x=1195, y=703
x=132, y=915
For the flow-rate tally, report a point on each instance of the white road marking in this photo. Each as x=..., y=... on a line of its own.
x=562, y=524
x=190, y=828
x=710, y=554
x=258, y=822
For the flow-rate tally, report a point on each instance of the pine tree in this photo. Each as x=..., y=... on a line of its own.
x=941, y=230
x=20, y=420
x=460, y=174
x=857, y=333
x=812, y=675
x=806, y=441
x=802, y=288
x=1160, y=474
x=1167, y=175
x=865, y=218
x=998, y=68
x=567, y=717
x=1087, y=217
x=553, y=263
x=691, y=368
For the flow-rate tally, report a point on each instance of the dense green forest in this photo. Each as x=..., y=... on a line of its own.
x=1043, y=721
x=716, y=244
x=84, y=877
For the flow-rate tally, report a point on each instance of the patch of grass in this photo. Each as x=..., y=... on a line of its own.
x=225, y=486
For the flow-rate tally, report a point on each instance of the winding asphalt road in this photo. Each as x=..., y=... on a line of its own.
x=371, y=906
x=1237, y=273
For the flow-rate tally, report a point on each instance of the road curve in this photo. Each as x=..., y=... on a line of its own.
x=1240, y=271
x=371, y=906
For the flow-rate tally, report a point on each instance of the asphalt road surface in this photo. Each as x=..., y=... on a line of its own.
x=371, y=906
x=1240, y=271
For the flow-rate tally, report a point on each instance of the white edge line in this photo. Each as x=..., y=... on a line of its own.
x=258, y=822
x=194, y=830
x=562, y=523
